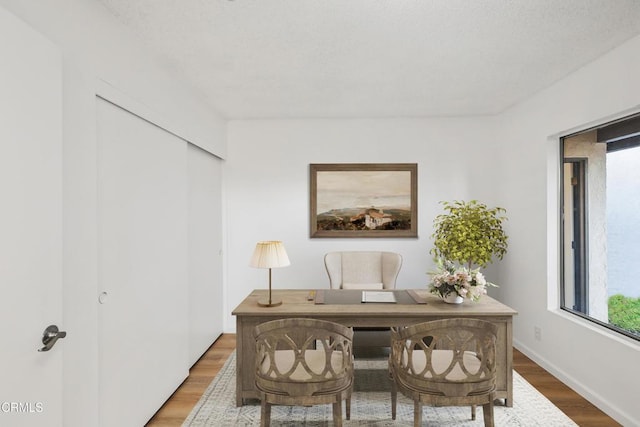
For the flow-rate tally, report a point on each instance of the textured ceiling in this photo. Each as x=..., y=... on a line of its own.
x=374, y=58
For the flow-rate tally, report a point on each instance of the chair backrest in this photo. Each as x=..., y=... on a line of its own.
x=450, y=357
x=303, y=357
x=362, y=269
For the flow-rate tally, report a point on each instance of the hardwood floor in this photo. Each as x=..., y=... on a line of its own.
x=571, y=403
x=182, y=401
x=179, y=405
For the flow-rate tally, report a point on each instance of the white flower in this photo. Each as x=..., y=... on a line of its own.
x=459, y=281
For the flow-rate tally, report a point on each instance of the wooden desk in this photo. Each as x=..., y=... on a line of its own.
x=295, y=304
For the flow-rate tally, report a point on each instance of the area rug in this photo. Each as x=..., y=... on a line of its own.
x=217, y=407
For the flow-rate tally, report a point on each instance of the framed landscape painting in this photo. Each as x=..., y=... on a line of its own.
x=364, y=200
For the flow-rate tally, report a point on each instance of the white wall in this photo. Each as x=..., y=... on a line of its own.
x=600, y=366
x=100, y=55
x=267, y=185
x=93, y=41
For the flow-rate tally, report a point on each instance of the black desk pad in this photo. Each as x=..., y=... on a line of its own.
x=354, y=296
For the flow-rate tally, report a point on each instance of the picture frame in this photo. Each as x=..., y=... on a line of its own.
x=363, y=200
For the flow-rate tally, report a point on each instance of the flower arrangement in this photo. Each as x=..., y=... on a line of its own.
x=461, y=280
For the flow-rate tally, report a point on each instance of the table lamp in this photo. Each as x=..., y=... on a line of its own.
x=269, y=254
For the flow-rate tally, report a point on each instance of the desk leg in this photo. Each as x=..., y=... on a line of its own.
x=239, y=359
x=509, y=400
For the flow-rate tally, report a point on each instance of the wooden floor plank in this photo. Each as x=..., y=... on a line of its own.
x=177, y=408
x=571, y=403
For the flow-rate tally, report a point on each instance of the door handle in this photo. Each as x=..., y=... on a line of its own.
x=50, y=336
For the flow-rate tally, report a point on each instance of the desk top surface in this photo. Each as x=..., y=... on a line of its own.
x=296, y=302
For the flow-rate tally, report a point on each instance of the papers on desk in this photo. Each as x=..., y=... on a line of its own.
x=377, y=296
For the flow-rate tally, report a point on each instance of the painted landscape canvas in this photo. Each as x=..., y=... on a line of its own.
x=363, y=200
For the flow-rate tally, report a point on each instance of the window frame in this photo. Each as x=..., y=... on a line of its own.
x=616, y=145
x=582, y=247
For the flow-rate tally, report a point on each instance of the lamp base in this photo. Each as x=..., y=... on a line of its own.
x=266, y=303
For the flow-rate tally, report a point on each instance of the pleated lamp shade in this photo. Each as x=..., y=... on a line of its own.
x=269, y=254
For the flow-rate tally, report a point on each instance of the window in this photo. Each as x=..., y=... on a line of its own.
x=601, y=225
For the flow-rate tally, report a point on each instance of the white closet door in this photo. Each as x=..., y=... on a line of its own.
x=30, y=226
x=205, y=251
x=142, y=217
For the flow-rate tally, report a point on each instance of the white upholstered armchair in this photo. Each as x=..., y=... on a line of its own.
x=363, y=269
x=366, y=270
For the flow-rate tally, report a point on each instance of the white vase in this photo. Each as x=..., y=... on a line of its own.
x=452, y=298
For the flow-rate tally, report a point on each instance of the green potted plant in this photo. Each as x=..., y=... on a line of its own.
x=468, y=234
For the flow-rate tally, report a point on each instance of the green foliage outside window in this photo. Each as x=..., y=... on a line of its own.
x=624, y=312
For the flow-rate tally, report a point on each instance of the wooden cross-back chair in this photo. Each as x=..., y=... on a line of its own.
x=447, y=362
x=303, y=362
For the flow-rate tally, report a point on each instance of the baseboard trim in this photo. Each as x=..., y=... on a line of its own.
x=586, y=392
